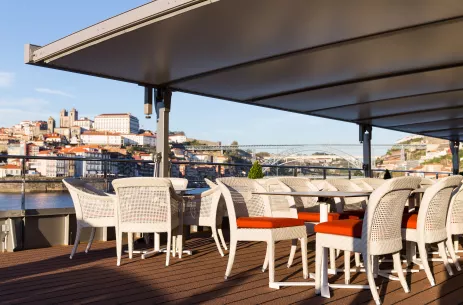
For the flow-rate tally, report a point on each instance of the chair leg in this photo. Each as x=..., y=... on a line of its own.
x=76, y=242
x=375, y=266
x=318, y=267
x=118, y=246
x=231, y=256
x=367, y=262
x=216, y=239
x=333, y=259
x=443, y=255
x=174, y=244
x=130, y=244
x=357, y=260
x=271, y=260
x=169, y=245
x=224, y=244
x=180, y=239
x=424, y=261
x=305, y=271
x=452, y=253
x=292, y=253
x=346, y=267
x=398, y=267
x=90, y=241
x=265, y=265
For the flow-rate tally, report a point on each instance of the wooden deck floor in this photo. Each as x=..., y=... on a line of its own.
x=46, y=276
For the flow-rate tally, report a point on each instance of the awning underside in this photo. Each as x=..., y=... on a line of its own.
x=392, y=64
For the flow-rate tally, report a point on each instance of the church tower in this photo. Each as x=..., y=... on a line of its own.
x=51, y=125
x=73, y=116
x=63, y=119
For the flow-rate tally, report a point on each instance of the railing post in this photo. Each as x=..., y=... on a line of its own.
x=324, y=174
x=295, y=172
x=219, y=174
x=105, y=175
x=23, y=184
x=349, y=173
x=437, y=176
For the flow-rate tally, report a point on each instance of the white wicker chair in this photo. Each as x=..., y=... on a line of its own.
x=425, y=182
x=429, y=225
x=299, y=184
x=207, y=210
x=455, y=224
x=378, y=234
x=368, y=184
x=146, y=205
x=345, y=185
x=94, y=209
x=179, y=183
x=250, y=220
x=210, y=183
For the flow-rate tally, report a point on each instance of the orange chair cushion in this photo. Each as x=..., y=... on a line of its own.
x=268, y=222
x=315, y=217
x=360, y=214
x=345, y=227
x=409, y=220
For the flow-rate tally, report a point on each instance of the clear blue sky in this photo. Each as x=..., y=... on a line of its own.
x=33, y=93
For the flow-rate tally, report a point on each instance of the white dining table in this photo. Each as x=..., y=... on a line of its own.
x=323, y=218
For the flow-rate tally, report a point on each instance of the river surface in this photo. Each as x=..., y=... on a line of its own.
x=46, y=200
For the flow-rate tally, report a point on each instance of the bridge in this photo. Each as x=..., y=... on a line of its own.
x=281, y=154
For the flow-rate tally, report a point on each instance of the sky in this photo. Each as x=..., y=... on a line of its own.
x=34, y=93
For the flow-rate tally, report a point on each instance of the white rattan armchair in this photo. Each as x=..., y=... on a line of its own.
x=368, y=184
x=207, y=210
x=250, y=220
x=455, y=224
x=299, y=184
x=179, y=183
x=146, y=205
x=94, y=209
x=378, y=234
x=429, y=225
x=345, y=185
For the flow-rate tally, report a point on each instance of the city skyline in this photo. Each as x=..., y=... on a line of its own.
x=31, y=93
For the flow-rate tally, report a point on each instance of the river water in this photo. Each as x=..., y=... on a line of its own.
x=10, y=201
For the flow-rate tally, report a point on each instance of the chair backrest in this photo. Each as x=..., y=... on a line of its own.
x=210, y=183
x=346, y=185
x=434, y=207
x=299, y=184
x=88, y=201
x=282, y=206
x=427, y=182
x=145, y=203
x=320, y=184
x=179, y=183
x=240, y=201
x=381, y=231
x=455, y=214
x=368, y=184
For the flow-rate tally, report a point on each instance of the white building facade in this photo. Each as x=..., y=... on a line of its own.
x=118, y=122
x=102, y=138
x=139, y=139
x=84, y=123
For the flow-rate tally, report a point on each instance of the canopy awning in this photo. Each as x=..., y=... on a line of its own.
x=391, y=64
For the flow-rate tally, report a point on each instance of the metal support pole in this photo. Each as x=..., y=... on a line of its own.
x=163, y=102
x=349, y=173
x=23, y=184
x=324, y=174
x=365, y=138
x=455, y=149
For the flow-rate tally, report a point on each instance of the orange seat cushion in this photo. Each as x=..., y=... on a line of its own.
x=268, y=222
x=409, y=220
x=345, y=227
x=360, y=214
x=315, y=217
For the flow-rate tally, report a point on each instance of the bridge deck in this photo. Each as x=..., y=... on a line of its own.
x=45, y=276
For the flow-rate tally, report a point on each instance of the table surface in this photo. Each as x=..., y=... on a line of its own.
x=326, y=194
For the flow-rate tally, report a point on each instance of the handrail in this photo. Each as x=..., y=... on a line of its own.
x=213, y=164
